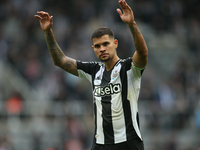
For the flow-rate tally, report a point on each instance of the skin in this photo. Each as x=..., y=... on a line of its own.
x=105, y=50
x=59, y=58
x=104, y=47
x=140, y=57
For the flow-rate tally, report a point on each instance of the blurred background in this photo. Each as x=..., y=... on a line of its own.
x=44, y=108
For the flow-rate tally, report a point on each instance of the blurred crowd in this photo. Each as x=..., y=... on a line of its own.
x=22, y=43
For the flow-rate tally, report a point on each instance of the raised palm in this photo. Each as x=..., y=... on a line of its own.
x=45, y=20
x=127, y=15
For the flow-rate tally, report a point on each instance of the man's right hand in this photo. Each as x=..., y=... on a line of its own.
x=46, y=21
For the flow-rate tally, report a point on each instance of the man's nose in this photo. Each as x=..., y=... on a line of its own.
x=102, y=48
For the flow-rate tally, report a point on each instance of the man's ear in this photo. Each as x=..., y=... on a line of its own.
x=116, y=43
x=92, y=46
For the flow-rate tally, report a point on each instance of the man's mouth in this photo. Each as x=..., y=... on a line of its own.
x=104, y=54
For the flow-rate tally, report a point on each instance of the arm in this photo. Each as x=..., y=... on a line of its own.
x=140, y=57
x=59, y=58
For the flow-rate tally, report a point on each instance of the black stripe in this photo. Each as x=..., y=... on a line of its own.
x=138, y=120
x=130, y=131
x=142, y=72
x=95, y=120
x=106, y=111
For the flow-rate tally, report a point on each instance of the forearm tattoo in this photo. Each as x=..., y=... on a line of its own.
x=133, y=30
x=58, y=56
x=54, y=49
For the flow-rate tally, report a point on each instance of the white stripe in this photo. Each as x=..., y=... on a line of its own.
x=82, y=74
x=134, y=81
x=117, y=109
x=118, y=119
x=99, y=133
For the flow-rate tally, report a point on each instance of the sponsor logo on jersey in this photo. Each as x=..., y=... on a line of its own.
x=107, y=90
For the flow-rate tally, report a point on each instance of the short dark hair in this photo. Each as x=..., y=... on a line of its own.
x=102, y=31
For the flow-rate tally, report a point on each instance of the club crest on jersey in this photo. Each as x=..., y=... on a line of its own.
x=107, y=90
x=115, y=74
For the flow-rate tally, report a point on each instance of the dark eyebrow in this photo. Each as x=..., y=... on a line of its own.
x=96, y=45
x=105, y=42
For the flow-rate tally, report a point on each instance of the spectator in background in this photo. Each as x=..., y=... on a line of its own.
x=14, y=105
x=4, y=143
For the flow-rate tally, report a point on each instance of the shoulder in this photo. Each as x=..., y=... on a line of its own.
x=89, y=67
x=91, y=63
x=126, y=62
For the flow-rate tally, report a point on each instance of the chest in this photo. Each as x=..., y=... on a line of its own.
x=105, y=78
x=107, y=83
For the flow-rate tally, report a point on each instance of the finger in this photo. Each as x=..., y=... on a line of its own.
x=119, y=11
x=51, y=18
x=123, y=4
x=125, y=7
x=37, y=16
x=43, y=14
x=40, y=12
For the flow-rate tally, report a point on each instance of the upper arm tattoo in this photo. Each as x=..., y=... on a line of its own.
x=70, y=66
x=139, y=64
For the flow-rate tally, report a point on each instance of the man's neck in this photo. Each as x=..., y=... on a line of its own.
x=109, y=64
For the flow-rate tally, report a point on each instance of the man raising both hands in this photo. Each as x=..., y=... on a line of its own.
x=115, y=82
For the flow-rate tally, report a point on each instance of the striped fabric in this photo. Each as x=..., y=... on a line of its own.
x=115, y=95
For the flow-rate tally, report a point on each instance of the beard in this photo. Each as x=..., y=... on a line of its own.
x=105, y=60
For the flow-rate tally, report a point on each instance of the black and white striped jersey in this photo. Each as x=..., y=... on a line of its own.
x=115, y=95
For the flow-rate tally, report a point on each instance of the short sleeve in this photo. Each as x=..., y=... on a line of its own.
x=136, y=70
